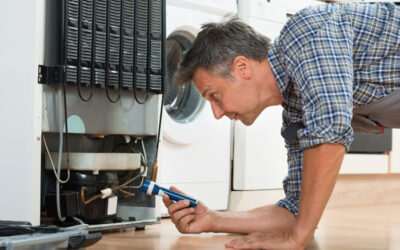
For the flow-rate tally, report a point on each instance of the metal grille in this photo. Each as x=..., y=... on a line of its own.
x=111, y=43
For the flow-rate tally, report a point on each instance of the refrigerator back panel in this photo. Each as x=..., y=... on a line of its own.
x=114, y=44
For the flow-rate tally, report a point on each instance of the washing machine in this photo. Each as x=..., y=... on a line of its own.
x=195, y=148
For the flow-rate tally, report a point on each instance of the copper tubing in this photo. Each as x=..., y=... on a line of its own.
x=154, y=173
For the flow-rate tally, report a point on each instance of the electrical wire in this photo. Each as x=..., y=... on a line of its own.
x=81, y=225
x=159, y=125
x=60, y=217
x=66, y=126
x=77, y=227
x=133, y=150
x=60, y=150
x=132, y=180
x=155, y=165
x=52, y=164
x=144, y=155
x=138, y=186
x=78, y=220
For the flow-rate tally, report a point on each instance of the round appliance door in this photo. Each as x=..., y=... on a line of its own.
x=184, y=122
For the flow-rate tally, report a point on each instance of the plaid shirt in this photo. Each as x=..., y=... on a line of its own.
x=326, y=60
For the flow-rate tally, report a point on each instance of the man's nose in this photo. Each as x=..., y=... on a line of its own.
x=218, y=112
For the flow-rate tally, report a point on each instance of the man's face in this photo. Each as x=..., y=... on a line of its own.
x=234, y=98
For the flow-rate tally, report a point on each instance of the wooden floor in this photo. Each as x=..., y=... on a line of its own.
x=363, y=227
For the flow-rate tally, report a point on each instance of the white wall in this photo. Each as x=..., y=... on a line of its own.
x=395, y=154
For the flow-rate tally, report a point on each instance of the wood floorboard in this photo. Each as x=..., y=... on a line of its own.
x=375, y=227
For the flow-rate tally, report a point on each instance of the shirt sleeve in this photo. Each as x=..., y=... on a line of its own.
x=324, y=75
x=292, y=182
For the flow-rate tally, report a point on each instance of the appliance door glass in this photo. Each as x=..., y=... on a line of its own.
x=183, y=103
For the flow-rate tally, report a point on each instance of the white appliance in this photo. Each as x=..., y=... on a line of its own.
x=21, y=110
x=259, y=153
x=194, y=152
x=29, y=110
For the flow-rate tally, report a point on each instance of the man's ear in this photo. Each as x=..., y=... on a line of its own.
x=241, y=67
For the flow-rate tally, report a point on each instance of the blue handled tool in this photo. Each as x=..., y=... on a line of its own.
x=151, y=188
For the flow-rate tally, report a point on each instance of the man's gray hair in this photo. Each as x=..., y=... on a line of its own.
x=217, y=45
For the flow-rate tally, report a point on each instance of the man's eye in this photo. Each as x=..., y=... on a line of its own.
x=215, y=97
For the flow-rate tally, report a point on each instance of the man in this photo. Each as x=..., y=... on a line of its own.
x=334, y=68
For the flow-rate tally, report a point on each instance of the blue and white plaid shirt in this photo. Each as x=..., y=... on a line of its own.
x=326, y=60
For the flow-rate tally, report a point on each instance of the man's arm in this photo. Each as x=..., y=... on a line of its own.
x=321, y=165
x=201, y=219
x=269, y=218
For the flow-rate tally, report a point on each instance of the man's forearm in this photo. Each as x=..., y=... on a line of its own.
x=321, y=165
x=263, y=219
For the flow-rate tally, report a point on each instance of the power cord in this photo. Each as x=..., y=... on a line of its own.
x=66, y=125
x=52, y=164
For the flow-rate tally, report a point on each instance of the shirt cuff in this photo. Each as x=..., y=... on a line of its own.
x=290, y=204
x=308, y=140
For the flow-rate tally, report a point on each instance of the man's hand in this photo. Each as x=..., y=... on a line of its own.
x=189, y=219
x=282, y=240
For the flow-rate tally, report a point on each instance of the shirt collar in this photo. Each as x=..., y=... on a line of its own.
x=275, y=57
